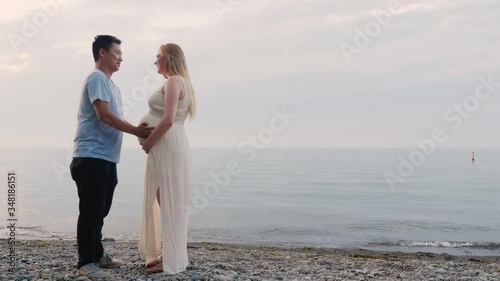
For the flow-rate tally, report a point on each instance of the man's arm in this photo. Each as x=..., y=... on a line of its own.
x=107, y=116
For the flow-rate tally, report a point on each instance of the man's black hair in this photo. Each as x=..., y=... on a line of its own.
x=104, y=42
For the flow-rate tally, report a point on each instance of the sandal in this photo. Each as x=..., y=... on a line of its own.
x=153, y=263
x=156, y=269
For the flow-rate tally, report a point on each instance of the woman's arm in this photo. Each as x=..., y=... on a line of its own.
x=172, y=93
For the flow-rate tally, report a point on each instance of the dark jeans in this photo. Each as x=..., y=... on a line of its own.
x=96, y=180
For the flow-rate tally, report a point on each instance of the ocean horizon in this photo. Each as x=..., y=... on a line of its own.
x=374, y=198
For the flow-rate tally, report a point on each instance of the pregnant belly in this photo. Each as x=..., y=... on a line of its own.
x=152, y=121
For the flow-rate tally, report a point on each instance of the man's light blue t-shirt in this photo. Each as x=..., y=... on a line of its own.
x=94, y=138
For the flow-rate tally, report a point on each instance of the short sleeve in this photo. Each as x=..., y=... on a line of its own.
x=98, y=88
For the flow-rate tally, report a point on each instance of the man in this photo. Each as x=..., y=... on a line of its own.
x=97, y=151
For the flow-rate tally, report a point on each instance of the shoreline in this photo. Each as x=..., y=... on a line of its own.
x=56, y=260
x=453, y=248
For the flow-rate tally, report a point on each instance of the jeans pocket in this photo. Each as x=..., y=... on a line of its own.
x=73, y=168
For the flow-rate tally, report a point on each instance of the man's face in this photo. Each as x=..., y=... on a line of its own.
x=113, y=57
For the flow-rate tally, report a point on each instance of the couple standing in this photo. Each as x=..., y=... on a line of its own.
x=161, y=134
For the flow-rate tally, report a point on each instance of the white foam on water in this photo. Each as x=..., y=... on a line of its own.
x=38, y=232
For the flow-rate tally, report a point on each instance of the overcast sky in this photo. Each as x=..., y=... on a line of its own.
x=352, y=73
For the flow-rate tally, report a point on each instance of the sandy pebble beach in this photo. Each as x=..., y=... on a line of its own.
x=56, y=260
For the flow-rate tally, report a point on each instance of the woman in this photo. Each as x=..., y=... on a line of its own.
x=167, y=181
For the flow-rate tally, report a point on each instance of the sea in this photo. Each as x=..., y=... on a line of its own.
x=392, y=199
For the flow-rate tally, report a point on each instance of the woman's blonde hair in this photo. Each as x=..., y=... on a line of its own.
x=176, y=64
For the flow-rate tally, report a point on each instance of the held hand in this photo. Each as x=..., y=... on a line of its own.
x=143, y=131
x=146, y=146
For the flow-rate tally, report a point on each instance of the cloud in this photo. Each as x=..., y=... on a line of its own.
x=15, y=10
x=257, y=55
x=15, y=64
x=13, y=68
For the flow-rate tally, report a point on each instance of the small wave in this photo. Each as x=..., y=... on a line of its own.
x=442, y=244
x=35, y=232
x=38, y=232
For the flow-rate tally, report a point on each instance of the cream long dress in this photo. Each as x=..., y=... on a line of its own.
x=169, y=169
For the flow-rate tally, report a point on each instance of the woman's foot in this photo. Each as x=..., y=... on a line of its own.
x=156, y=269
x=153, y=263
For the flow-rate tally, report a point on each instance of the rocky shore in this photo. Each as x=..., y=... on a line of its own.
x=56, y=260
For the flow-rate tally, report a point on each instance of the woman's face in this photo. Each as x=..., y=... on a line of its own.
x=161, y=64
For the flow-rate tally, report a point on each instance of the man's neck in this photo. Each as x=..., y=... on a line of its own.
x=105, y=70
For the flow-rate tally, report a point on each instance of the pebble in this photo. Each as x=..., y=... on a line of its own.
x=210, y=262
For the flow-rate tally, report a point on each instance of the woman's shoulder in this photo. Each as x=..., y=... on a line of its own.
x=176, y=78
